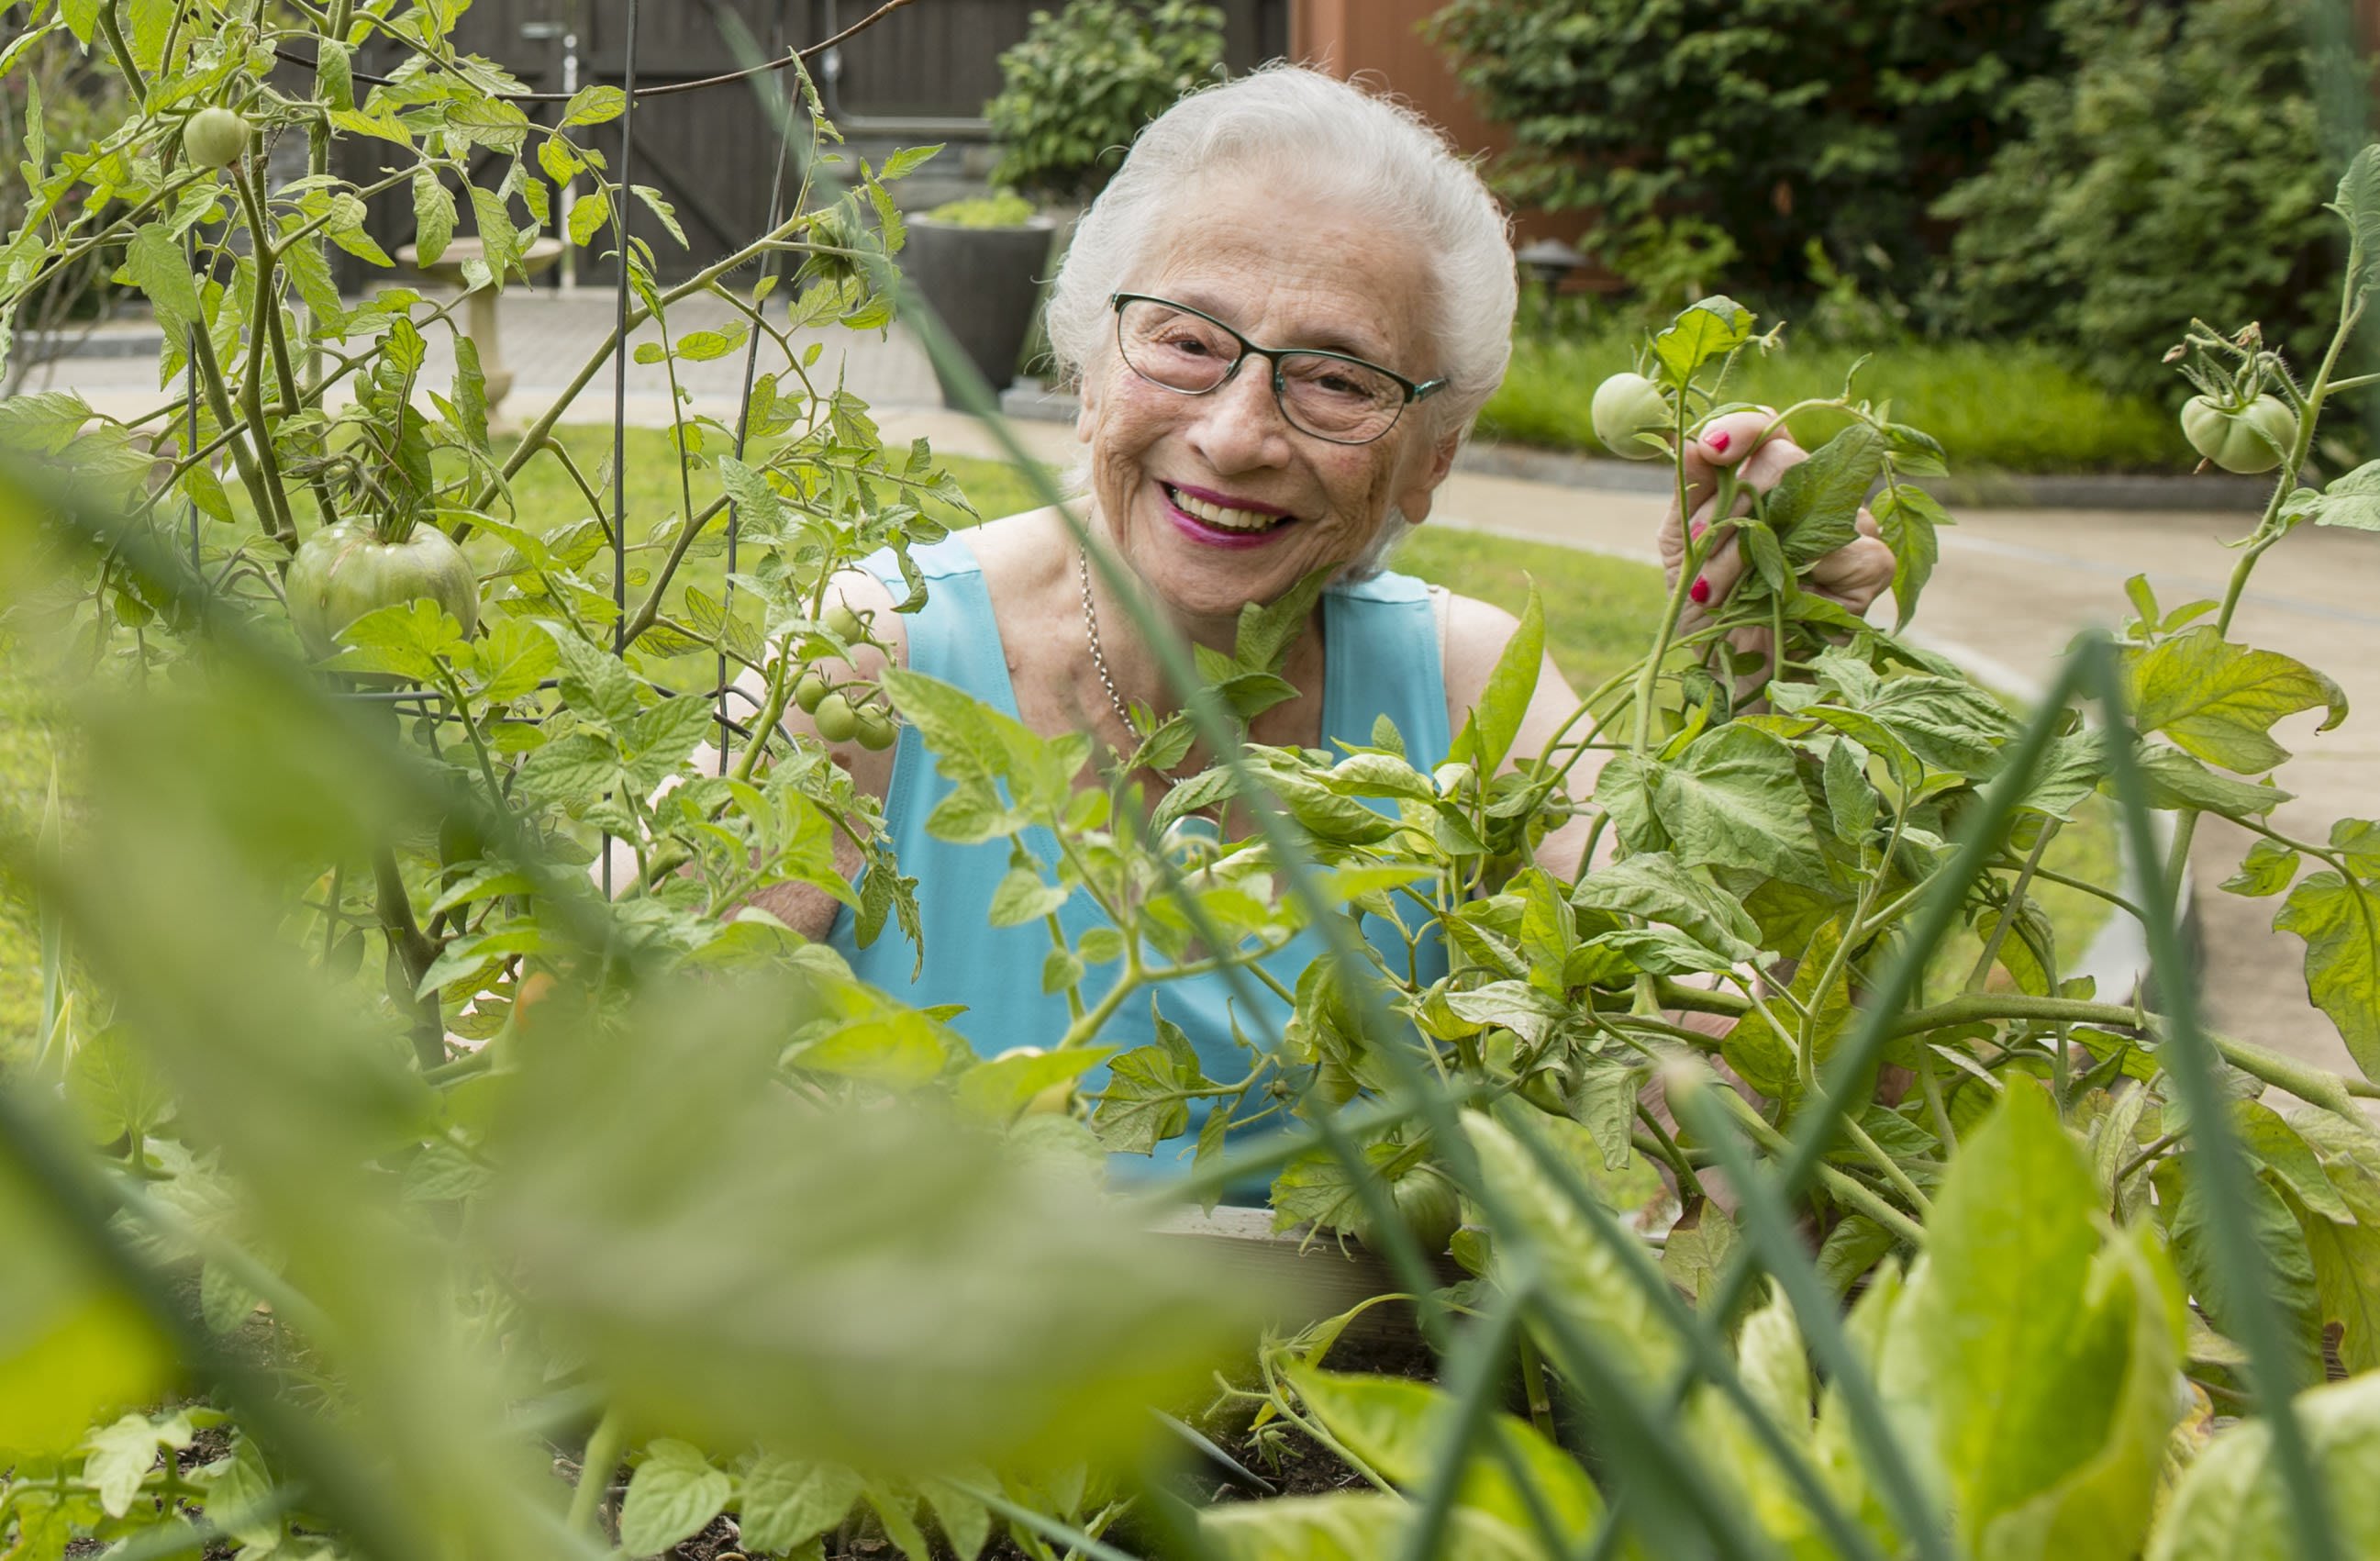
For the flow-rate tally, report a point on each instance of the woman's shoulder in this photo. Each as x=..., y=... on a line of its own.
x=1475, y=637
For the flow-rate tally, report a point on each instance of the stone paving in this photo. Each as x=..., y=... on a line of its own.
x=2013, y=586
x=547, y=338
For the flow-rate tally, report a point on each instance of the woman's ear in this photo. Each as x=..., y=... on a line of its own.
x=1414, y=502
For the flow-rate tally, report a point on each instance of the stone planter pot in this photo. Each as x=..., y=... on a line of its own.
x=983, y=283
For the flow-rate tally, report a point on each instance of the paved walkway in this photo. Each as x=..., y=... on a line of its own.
x=2012, y=588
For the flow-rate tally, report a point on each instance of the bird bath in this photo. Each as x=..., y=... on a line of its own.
x=479, y=304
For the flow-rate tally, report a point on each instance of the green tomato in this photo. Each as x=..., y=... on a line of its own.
x=809, y=688
x=876, y=729
x=1626, y=407
x=835, y=720
x=1428, y=1205
x=345, y=571
x=1333, y=1081
x=845, y=622
x=2247, y=440
x=215, y=138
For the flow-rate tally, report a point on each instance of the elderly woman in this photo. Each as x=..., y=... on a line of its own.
x=1283, y=315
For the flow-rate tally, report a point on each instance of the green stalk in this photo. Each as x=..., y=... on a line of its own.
x=1845, y=1189
x=2269, y=531
x=114, y=31
x=2015, y=902
x=604, y=1446
x=251, y=388
x=219, y=402
x=415, y=953
x=1699, y=1331
x=535, y=435
x=1471, y=1381
x=2189, y=1063
x=1771, y=1229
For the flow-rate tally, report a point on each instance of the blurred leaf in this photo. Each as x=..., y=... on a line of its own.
x=1347, y=1528
x=1577, y=1272
x=887, y=1289
x=2032, y=1359
x=1402, y=1429
x=73, y=1347
x=2233, y=1504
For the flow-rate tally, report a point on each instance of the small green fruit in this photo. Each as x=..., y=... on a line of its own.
x=845, y=622
x=808, y=689
x=2248, y=440
x=1428, y=1205
x=216, y=138
x=876, y=729
x=1627, y=408
x=835, y=720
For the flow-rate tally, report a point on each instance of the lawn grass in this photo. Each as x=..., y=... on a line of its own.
x=1598, y=613
x=28, y=722
x=2003, y=407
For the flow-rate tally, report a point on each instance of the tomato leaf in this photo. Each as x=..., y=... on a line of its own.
x=2339, y=919
x=781, y=1503
x=1706, y=329
x=2215, y=700
x=1488, y=733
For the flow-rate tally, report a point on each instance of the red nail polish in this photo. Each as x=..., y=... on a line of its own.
x=1700, y=526
x=1719, y=440
x=1701, y=591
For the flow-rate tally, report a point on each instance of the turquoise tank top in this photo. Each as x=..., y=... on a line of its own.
x=1380, y=658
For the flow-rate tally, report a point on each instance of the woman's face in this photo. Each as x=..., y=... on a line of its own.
x=1283, y=272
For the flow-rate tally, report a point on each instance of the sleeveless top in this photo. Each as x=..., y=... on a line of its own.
x=1380, y=644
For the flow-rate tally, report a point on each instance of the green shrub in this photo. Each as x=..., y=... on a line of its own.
x=2011, y=408
x=1082, y=84
x=998, y=211
x=2173, y=174
x=1748, y=120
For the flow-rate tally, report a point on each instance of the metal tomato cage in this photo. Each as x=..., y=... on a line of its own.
x=428, y=706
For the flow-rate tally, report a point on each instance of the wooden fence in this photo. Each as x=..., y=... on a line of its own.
x=922, y=75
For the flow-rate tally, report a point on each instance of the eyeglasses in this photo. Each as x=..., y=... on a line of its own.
x=1331, y=395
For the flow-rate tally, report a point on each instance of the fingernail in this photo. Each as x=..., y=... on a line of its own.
x=1700, y=526
x=1719, y=440
x=1701, y=591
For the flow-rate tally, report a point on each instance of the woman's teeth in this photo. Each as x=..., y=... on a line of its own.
x=1216, y=515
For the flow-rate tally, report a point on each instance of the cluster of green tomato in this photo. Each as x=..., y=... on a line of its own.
x=852, y=710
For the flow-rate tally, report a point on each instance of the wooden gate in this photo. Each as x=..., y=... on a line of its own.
x=921, y=75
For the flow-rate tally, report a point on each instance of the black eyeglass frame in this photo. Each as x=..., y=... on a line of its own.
x=1415, y=390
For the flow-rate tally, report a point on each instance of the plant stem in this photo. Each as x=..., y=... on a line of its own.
x=114, y=31
x=415, y=954
x=2015, y=904
x=604, y=1446
x=219, y=402
x=1844, y=1189
x=2269, y=529
x=535, y=435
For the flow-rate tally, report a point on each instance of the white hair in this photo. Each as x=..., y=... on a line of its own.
x=1339, y=144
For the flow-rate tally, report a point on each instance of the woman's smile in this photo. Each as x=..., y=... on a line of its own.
x=1222, y=520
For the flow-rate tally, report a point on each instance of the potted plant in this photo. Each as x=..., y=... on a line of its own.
x=1073, y=94
x=980, y=264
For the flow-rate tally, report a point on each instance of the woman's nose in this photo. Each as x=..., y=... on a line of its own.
x=1240, y=423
